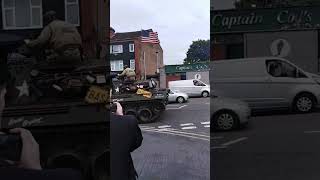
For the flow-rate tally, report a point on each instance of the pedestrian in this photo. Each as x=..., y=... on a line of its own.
x=126, y=137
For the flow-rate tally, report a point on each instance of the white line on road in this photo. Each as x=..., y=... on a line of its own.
x=309, y=132
x=206, y=122
x=234, y=141
x=143, y=128
x=219, y=147
x=187, y=124
x=190, y=127
x=164, y=126
x=187, y=133
x=207, y=126
x=182, y=106
x=216, y=137
x=177, y=134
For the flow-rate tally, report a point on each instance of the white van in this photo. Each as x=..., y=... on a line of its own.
x=193, y=87
x=266, y=83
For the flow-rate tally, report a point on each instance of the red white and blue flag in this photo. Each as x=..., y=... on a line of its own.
x=147, y=36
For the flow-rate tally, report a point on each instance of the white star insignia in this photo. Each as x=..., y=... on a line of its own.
x=24, y=89
x=117, y=89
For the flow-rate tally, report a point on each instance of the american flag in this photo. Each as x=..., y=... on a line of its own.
x=147, y=36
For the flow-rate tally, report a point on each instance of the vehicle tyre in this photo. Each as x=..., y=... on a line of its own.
x=205, y=94
x=131, y=112
x=225, y=120
x=158, y=108
x=145, y=115
x=304, y=103
x=180, y=99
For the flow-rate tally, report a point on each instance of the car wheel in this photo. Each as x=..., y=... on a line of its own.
x=226, y=120
x=205, y=94
x=304, y=103
x=180, y=99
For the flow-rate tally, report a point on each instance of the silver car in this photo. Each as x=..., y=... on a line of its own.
x=177, y=96
x=228, y=114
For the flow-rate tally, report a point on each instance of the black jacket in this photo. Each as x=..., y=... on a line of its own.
x=125, y=138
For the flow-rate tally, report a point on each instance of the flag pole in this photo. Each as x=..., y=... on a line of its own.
x=144, y=64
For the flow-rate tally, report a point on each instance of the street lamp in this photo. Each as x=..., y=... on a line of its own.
x=157, y=53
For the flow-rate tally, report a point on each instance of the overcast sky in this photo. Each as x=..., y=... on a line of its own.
x=178, y=22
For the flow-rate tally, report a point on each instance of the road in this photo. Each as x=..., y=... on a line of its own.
x=177, y=147
x=273, y=147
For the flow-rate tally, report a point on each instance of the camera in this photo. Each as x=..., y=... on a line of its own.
x=10, y=147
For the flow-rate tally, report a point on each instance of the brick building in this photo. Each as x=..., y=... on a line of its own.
x=127, y=49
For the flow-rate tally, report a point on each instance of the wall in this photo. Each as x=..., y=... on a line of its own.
x=150, y=58
x=126, y=55
x=204, y=76
x=302, y=51
x=172, y=78
x=163, y=79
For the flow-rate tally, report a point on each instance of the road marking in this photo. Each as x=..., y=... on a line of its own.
x=234, y=141
x=178, y=134
x=309, y=132
x=207, y=126
x=207, y=122
x=164, y=126
x=216, y=137
x=219, y=147
x=147, y=128
x=190, y=127
x=207, y=103
x=180, y=107
x=182, y=132
x=187, y=124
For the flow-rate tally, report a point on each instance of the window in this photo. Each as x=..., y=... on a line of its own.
x=116, y=65
x=132, y=64
x=72, y=12
x=198, y=83
x=278, y=68
x=116, y=49
x=131, y=47
x=21, y=14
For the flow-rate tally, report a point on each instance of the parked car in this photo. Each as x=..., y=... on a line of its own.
x=228, y=114
x=193, y=87
x=266, y=83
x=177, y=96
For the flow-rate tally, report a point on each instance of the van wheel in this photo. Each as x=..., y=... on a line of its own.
x=225, y=120
x=180, y=99
x=304, y=103
x=205, y=94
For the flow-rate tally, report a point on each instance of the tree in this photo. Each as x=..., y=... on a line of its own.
x=244, y=4
x=199, y=51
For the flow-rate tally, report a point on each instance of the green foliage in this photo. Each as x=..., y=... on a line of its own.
x=199, y=51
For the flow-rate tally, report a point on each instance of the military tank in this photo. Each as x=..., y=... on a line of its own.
x=140, y=98
x=63, y=107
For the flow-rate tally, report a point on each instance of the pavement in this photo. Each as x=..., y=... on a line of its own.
x=275, y=146
x=177, y=146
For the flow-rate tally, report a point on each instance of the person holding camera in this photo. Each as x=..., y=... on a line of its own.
x=29, y=166
x=126, y=137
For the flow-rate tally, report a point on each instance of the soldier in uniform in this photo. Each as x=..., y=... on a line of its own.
x=128, y=74
x=62, y=38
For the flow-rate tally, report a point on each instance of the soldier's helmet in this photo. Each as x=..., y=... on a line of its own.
x=125, y=66
x=49, y=16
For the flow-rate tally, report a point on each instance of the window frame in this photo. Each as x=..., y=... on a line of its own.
x=132, y=61
x=131, y=47
x=282, y=65
x=121, y=51
x=113, y=65
x=14, y=27
x=66, y=3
